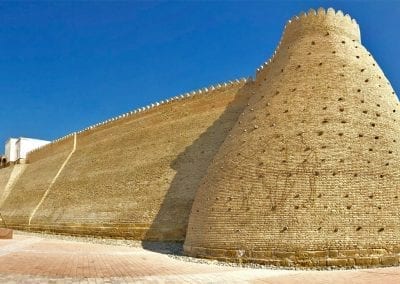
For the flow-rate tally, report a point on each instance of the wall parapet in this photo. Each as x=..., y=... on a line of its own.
x=313, y=21
x=140, y=110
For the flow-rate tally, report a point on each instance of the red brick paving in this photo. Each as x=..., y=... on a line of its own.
x=33, y=259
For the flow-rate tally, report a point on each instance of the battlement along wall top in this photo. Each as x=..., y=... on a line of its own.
x=321, y=23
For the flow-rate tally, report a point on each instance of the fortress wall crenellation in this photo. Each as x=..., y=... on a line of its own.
x=314, y=21
x=94, y=182
x=140, y=110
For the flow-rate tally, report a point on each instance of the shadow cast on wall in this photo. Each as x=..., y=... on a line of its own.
x=191, y=165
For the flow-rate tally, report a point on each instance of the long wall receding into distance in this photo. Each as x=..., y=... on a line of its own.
x=134, y=176
x=299, y=167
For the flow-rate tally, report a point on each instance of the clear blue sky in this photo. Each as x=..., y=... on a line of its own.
x=67, y=65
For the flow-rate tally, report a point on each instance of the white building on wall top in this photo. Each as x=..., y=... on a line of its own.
x=17, y=148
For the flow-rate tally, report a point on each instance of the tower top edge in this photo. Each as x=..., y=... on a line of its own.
x=323, y=13
x=327, y=17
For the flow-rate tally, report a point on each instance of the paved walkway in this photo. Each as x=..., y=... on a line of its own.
x=33, y=259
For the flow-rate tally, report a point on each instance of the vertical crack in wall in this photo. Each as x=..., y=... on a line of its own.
x=53, y=181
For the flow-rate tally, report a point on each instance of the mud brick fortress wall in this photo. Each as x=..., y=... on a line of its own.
x=133, y=176
x=309, y=174
x=297, y=167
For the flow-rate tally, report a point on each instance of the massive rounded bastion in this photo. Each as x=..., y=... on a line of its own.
x=297, y=167
x=309, y=174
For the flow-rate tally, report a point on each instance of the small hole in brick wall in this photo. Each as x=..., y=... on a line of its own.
x=324, y=108
x=296, y=196
x=319, y=195
x=240, y=177
x=394, y=110
x=334, y=173
x=376, y=137
x=386, y=164
x=335, y=230
x=320, y=133
x=358, y=90
x=341, y=160
x=298, y=66
x=277, y=93
x=378, y=105
x=370, y=149
x=348, y=207
x=360, y=135
x=366, y=80
x=309, y=53
x=357, y=56
x=294, y=89
x=394, y=140
x=373, y=64
x=296, y=207
x=371, y=196
x=307, y=149
x=343, y=42
x=368, y=162
x=286, y=111
x=355, y=46
x=355, y=175
x=316, y=173
x=396, y=197
x=346, y=196
x=313, y=43
x=320, y=64
x=229, y=209
x=340, y=134
x=284, y=161
x=327, y=33
x=365, y=111
x=390, y=152
x=323, y=147
x=343, y=121
x=325, y=121
x=378, y=114
x=373, y=124
x=379, y=207
x=284, y=229
x=381, y=230
x=382, y=176
x=362, y=101
x=341, y=109
x=340, y=99
x=333, y=52
x=358, y=228
x=281, y=70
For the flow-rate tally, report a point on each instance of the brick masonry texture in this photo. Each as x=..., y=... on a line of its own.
x=296, y=168
x=134, y=177
x=309, y=175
